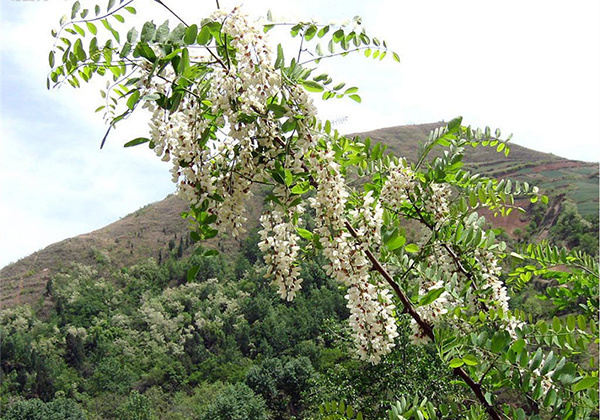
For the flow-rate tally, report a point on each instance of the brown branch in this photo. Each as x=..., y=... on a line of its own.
x=428, y=329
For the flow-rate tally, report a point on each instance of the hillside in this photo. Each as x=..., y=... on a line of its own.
x=577, y=180
x=156, y=230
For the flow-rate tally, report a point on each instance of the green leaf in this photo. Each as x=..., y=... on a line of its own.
x=537, y=360
x=550, y=398
x=288, y=177
x=108, y=27
x=79, y=29
x=277, y=109
x=75, y=9
x=204, y=36
x=301, y=187
x=412, y=248
x=356, y=98
x=338, y=35
x=132, y=35
x=581, y=322
x=51, y=58
x=162, y=32
x=396, y=57
x=135, y=142
x=148, y=31
x=126, y=49
x=518, y=345
x=311, y=86
x=549, y=364
x=456, y=363
x=339, y=86
x=79, y=51
x=111, y=3
x=319, y=50
x=192, y=273
x=431, y=296
x=144, y=50
x=470, y=360
x=571, y=322
x=279, y=61
x=133, y=99
x=306, y=234
x=323, y=31
x=499, y=341
x=585, y=383
x=92, y=28
x=119, y=18
x=130, y=10
x=310, y=32
x=556, y=324
x=191, y=34
x=395, y=242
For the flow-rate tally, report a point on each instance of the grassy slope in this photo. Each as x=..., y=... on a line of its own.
x=147, y=232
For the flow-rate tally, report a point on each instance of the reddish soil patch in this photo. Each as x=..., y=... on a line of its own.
x=508, y=223
x=557, y=165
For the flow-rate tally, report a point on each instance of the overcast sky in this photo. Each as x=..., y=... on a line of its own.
x=528, y=67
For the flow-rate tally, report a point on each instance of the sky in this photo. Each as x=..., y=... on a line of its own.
x=528, y=67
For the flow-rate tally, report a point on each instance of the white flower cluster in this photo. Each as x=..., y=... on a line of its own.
x=490, y=272
x=165, y=330
x=437, y=202
x=371, y=318
x=370, y=304
x=329, y=204
x=399, y=184
x=248, y=138
x=250, y=74
x=369, y=217
x=279, y=242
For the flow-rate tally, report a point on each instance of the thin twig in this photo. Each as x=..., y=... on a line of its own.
x=172, y=12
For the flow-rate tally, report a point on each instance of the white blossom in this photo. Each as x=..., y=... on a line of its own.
x=371, y=307
x=398, y=186
x=279, y=242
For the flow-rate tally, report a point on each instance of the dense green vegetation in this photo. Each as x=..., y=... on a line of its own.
x=147, y=343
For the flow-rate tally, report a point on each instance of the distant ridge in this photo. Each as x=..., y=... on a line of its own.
x=157, y=229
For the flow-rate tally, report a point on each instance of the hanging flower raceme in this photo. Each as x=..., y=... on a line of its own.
x=437, y=202
x=279, y=242
x=371, y=319
x=370, y=304
x=489, y=273
x=398, y=186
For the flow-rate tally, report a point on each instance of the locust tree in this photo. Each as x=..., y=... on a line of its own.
x=230, y=109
